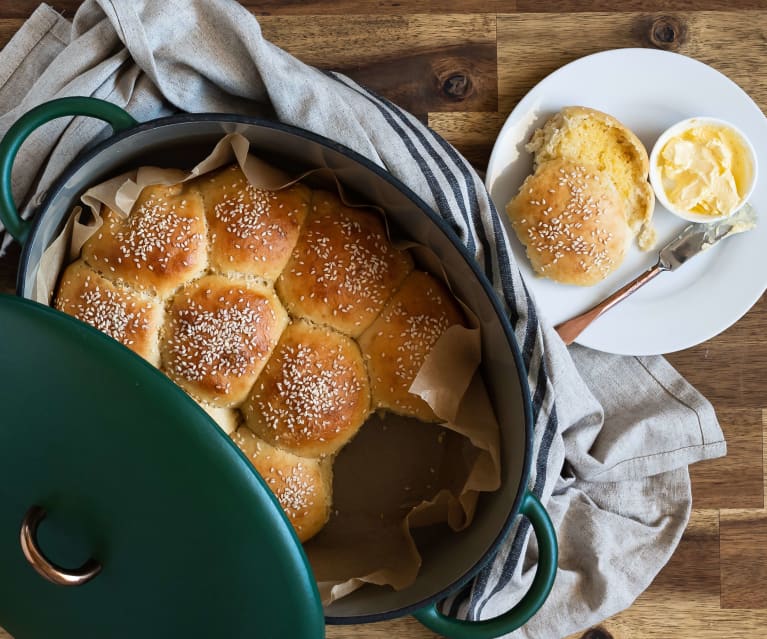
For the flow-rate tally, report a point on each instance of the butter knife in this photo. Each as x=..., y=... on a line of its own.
x=693, y=240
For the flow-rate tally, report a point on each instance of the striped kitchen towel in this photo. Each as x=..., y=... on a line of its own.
x=613, y=435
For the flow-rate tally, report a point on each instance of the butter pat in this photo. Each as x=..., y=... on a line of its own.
x=703, y=169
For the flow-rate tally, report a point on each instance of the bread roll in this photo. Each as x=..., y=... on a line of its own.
x=302, y=486
x=598, y=140
x=188, y=281
x=252, y=231
x=313, y=395
x=160, y=246
x=131, y=318
x=398, y=342
x=572, y=222
x=219, y=334
x=343, y=269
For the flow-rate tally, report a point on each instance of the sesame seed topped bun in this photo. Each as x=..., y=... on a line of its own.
x=599, y=140
x=302, y=486
x=343, y=269
x=252, y=231
x=130, y=317
x=158, y=247
x=572, y=222
x=398, y=342
x=219, y=335
x=313, y=395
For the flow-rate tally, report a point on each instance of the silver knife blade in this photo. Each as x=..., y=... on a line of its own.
x=697, y=238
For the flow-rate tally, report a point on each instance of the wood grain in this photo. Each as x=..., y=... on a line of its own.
x=23, y=8
x=461, y=65
x=714, y=484
x=423, y=63
x=407, y=628
x=716, y=38
x=727, y=370
x=743, y=540
x=8, y=26
x=572, y=6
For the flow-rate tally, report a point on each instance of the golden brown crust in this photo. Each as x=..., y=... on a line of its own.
x=185, y=281
x=572, y=222
x=132, y=319
x=161, y=245
x=343, y=269
x=313, y=394
x=398, y=342
x=302, y=486
x=252, y=231
x=219, y=334
x=596, y=139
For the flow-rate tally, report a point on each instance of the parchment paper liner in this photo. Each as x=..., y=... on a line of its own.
x=398, y=473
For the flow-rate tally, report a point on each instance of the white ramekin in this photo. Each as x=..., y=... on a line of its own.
x=676, y=129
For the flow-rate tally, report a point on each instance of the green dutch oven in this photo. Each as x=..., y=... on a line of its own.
x=125, y=511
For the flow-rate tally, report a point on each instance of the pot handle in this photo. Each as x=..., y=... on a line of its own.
x=117, y=118
x=433, y=619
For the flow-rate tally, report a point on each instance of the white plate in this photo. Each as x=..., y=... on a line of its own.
x=647, y=90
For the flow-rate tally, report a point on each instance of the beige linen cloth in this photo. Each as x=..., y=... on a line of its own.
x=613, y=435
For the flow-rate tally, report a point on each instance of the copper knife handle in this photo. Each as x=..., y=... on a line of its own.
x=45, y=568
x=570, y=329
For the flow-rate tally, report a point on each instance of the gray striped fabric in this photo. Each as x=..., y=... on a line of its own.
x=613, y=436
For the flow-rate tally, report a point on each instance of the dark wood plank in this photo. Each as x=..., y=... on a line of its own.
x=731, y=42
x=570, y=6
x=452, y=66
x=743, y=551
x=377, y=7
x=24, y=8
x=729, y=368
x=8, y=26
x=737, y=480
x=423, y=63
x=691, y=576
x=405, y=628
x=450, y=78
x=729, y=373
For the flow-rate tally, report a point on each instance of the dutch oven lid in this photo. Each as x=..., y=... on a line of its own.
x=128, y=472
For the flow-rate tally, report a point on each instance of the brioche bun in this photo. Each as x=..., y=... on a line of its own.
x=598, y=140
x=572, y=222
x=313, y=395
x=302, y=486
x=398, y=342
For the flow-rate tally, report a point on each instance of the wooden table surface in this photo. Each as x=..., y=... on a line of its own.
x=461, y=66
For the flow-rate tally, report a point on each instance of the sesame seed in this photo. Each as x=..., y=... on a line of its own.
x=210, y=341
x=312, y=390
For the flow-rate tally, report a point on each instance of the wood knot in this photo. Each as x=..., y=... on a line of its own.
x=667, y=32
x=596, y=633
x=457, y=86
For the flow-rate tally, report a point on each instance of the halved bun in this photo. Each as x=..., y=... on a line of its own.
x=572, y=222
x=595, y=139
